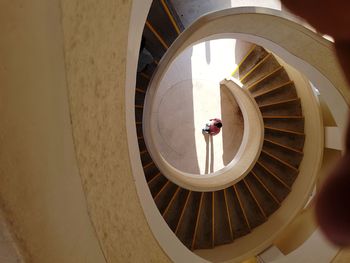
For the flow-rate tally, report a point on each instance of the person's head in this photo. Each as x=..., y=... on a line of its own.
x=218, y=124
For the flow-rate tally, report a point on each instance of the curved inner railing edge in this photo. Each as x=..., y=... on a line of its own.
x=239, y=167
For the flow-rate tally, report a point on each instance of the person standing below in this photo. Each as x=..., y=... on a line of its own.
x=213, y=127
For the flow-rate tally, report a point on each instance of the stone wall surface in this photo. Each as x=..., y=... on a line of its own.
x=95, y=43
x=40, y=188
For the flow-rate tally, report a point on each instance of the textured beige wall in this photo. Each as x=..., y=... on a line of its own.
x=40, y=187
x=95, y=34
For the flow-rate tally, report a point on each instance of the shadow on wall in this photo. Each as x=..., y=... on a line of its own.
x=209, y=154
x=176, y=110
x=233, y=125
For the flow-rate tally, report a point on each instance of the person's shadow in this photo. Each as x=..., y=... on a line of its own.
x=209, y=154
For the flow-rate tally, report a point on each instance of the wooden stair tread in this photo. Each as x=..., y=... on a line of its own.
x=154, y=178
x=182, y=212
x=279, y=160
x=263, y=78
x=243, y=60
x=284, y=146
x=279, y=103
x=242, y=208
x=197, y=222
x=283, y=130
x=272, y=89
x=263, y=196
x=255, y=199
x=255, y=67
x=282, y=117
x=266, y=188
x=204, y=232
x=274, y=175
x=171, y=201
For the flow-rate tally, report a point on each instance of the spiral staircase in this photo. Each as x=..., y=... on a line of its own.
x=203, y=220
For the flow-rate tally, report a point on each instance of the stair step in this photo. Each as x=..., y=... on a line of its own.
x=146, y=159
x=276, y=187
x=253, y=67
x=228, y=214
x=266, y=200
x=139, y=130
x=284, y=130
x=282, y=117
x=138, y=114
x=140, y=90
x=291, y=157
x=249, y=205
x=153, y=44
x=154, y=178
x=272, y=79
x=187, y=223
x=291, y=140
x=279, y=103
x=282, y=93
x=197, y=222
x=143, y=74
x=255, y=198
x=287, y=107
x=157, y=34
x=271, y=90
x=142, y=146
x=150, y=172
x=239, y=223
x=236, y=73
x=170, y=11
x=284, y=146
x=283, y=171
x=172, y=212
x=141, y=82
x=163, y=21
x=143, y=152
x=147, y=165
x=273, y=174
x=222, y=234
x=157, y=183
x=278, y=159
x=163, y=197
x=253, y=57
x=292, y=124
x=263, y=68
x=149, y=70
x=204, y=234
x=266, y=187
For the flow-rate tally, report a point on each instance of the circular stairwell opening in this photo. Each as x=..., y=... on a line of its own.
x=189, y=96
x=192, y=91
